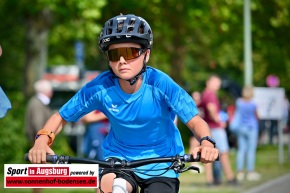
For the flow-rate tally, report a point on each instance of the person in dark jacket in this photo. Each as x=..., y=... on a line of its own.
x=37, y=110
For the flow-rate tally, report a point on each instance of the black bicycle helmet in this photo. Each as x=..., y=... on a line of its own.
x=126, y=28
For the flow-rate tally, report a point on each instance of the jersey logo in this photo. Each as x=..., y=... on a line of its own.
x=114, y=108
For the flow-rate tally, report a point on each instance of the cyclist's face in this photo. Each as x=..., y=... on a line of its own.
x=127, y=69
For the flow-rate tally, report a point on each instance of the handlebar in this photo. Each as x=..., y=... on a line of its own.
x=121, y=164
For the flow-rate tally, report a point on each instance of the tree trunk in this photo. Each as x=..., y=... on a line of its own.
x=37, y=29
x=177, y=62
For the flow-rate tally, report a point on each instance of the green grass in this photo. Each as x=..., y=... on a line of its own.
x=267, y=164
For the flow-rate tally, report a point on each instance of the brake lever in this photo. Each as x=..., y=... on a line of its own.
x=190, y=168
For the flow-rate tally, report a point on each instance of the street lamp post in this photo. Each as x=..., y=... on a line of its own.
x=248, y=71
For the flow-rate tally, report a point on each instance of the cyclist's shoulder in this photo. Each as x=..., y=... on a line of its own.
x=103, y=80
x=157, y=77
x=103, y=77
x=155, y=72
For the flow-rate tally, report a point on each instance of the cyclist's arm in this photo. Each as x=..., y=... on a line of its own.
x=200, y=129
x=93, y=117
x=37, y=153
x=55, y=123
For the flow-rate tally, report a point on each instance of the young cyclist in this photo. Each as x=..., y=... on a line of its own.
x=140, y=102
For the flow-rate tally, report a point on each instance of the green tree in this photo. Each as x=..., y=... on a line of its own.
x=45, y=23
x=271, y=49
x=27, y=31
x=191, y=38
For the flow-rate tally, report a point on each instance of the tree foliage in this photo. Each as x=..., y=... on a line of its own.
x=51, y=25
x=195, y=38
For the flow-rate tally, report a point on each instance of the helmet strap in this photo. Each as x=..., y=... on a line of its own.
x=134, y=80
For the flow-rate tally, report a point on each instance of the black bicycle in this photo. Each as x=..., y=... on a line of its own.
x=177, y=164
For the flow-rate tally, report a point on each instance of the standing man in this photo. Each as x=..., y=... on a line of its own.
x=38, y=112
x=211, y=108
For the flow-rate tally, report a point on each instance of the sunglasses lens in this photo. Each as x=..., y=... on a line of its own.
x=127, y=53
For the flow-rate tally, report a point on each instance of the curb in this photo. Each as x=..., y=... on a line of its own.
x=278, y=185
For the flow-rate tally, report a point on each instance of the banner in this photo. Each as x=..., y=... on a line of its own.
x=51, y=176
x=270, y=102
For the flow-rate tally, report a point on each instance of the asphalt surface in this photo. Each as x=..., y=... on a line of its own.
x=278, y=185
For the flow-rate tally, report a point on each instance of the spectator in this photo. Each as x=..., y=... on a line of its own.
x=96, y=131
x=38, y=112
x=285, y=113
x=247, y=135
x=288, y=130
x=272, y=130
x=231, y=134
x=193, y=142
x=211, y=108
x=285, y=121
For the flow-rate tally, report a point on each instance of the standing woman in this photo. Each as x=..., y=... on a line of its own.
x=247, y=135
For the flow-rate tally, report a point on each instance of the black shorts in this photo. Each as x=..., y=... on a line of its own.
x=152, y=185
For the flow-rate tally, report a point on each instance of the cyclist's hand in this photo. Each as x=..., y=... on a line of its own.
x=37, y=154
x=208, y=153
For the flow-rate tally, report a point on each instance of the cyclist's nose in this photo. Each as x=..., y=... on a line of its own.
x=122, y=60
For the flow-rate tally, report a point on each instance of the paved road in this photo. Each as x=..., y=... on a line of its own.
x=278, y=185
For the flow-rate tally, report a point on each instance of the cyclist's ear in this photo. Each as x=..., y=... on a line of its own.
x=147, y=55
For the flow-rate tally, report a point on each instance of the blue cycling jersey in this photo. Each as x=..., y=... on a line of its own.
x=141, y=123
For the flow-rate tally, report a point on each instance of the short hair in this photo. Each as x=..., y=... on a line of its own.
x=42, y=86
x=213, y=76
x=248, y=92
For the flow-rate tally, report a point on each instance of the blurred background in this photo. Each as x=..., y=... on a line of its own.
x=58, y=40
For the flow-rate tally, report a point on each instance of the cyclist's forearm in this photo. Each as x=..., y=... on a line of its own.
x=199, y=127
x=55, y=123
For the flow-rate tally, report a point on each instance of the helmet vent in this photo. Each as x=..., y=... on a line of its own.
x=120, y=26
x=132, y=21
x=141, y=28
x=109, y=31
x=130, y=29
x=110, y=23
x=149, y=31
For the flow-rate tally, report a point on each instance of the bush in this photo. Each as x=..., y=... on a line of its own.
x=12, y=138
